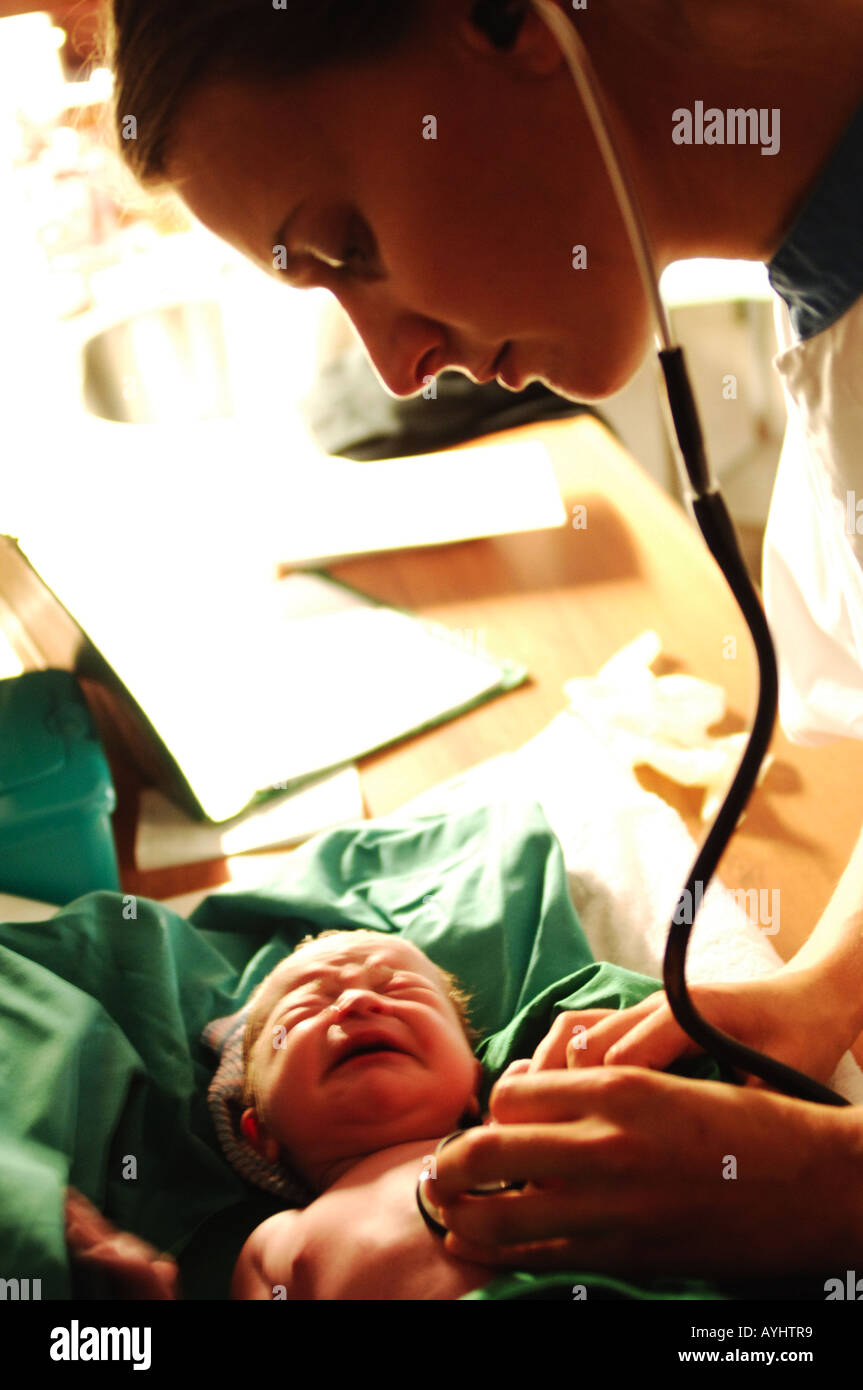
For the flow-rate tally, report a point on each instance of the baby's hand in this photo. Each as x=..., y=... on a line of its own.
x=136, y=1268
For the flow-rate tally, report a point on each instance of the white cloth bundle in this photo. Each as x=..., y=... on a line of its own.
x=627, y=852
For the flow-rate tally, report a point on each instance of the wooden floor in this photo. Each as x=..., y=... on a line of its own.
x=751, y=543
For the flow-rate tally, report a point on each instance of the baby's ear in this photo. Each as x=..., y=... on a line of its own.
x=257, y=1135
x=249, y=1126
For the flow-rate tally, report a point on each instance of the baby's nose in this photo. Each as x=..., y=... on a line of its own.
x=356, y=1000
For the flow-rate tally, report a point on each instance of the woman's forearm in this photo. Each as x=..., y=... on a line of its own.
x=834, y=951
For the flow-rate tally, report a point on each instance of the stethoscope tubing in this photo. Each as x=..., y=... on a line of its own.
x=714, y=522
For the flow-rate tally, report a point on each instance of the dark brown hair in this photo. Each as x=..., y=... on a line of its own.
x=159, y=50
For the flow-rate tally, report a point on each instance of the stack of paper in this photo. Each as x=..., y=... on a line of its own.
x=166, y=836
x=245, y=684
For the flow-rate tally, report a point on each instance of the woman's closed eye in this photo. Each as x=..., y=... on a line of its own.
x=350, y=258
x=353, y=257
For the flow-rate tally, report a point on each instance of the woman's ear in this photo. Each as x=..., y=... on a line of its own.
x=493, y=30
x=256, y=1134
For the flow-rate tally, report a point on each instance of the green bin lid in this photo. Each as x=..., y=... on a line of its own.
x=51, y=759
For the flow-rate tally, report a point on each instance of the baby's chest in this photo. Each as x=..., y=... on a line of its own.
x=369, y=1242
x=373, y=1217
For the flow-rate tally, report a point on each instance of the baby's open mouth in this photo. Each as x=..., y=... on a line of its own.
x=374, y=1047
x=369, y=1052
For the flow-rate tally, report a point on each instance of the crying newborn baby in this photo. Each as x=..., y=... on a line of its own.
x=358, y=1061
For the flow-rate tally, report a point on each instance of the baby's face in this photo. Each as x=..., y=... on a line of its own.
x=360, y=1049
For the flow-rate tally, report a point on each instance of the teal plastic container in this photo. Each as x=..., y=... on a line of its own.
x=56, y=793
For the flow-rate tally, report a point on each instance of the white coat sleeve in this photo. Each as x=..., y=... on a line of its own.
x=812, y=568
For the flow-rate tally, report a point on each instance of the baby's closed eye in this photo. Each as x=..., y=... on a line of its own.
x=408, y=984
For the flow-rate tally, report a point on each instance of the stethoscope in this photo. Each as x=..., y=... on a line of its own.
x=498, y=20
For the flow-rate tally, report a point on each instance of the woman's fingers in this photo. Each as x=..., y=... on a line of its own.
x=493, y=1153
x=551, y=1096
x=551, y=1052
x=557, y=1207
x=551, y=1254
x=511, y=1220
x=517, y=1068
x=579, y=1028
x=631, y=1166
x=552, y=1126
x=590, y=1048
x=656, y=1041
x=646, y=1035
x=614, y=1251
x=581, y=1037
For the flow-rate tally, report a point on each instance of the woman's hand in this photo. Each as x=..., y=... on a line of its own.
x=629, y=1170
x=790, y=1016
x=136, y=1269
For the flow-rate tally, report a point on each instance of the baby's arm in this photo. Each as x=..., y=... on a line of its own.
x=265, y=1269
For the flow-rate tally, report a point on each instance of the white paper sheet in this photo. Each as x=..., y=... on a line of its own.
x=340, y=507
x=166, y=836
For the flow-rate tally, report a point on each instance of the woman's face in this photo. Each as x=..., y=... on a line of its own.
x=440, y=250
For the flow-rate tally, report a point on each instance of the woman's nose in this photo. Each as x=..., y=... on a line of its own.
x=398, y=350
x=402, y=373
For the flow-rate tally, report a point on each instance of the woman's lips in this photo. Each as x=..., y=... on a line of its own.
x=496, y=364
x=507, y=372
